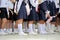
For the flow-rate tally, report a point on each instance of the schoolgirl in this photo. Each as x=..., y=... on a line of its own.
x=21, y=15
x=3, y=15
x=33, y=16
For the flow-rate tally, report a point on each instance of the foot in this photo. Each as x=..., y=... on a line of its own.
x=26, y=30
x=9, y=32
x=32, y=33
x=22, y=33
x=51, y=31
x=3, y=33
x=15, y=31
x=43, y=32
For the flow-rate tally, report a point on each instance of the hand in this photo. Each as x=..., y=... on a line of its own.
x=47, y=15
x=49, y=20
x=11, y=12
x=8, y=16
x=16, y=13
x=37, y=9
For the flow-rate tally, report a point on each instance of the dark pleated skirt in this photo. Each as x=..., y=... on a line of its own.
x=22, y=14
x=41, y=15
x=3, y=13
x=33, y=15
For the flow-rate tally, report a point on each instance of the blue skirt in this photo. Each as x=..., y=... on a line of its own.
x=33, y=15
x=22, y=14
x=41, y=15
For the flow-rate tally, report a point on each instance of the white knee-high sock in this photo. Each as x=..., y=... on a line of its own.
x=53, y=27
x=44, y=27
x=25, y=26
x=33, y=27
x=30, y=28
x=48, y=26
x=20, y=28
x=41, y=28
x=59, y=28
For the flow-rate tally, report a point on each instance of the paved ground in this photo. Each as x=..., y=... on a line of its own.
x=55, y=36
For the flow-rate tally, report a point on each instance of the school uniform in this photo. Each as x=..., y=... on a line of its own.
x=42, y=12
x=52, y=7
x=58, y=14
x=57, y=5
x=22, y=14
x=10, y=6
x=3, y=9
x=33, y=14
x=43, y=9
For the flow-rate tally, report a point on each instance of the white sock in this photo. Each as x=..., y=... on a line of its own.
x=20, y=28
x=48, y=26
x=16, y=30
x=44, y=27
x=41, y=28
x=56, y=29
x=25, y=26
x=2, y=30
x=59, y=28
x=33, y=27
x=10, y=29
x=5, y=30
x=30, y=27
x=53, y=27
